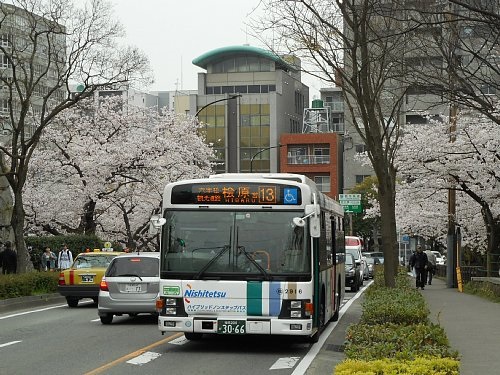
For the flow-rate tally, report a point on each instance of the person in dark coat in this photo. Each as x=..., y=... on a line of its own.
x=9, y=259
x=418, y=262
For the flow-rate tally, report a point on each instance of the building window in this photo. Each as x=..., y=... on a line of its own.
x=321, y=155
x=5, y=40
x=323, y=183
x=4, y=62
x=488, y=89
x=360, y=148
x=360, y=178
x=254, y=89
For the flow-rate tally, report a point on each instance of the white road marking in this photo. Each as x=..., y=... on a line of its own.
x=30, y=312
x=179, y=341
x=143, y=358
x=286, y=362
x=9, y=343
x=313, y=352
x=96, y=320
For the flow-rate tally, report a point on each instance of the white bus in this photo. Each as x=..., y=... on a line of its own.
x=249, y=254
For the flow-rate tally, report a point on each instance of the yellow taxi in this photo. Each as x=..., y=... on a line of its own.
x=83, y=278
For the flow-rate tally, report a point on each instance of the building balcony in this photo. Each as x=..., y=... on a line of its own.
x=308, y=159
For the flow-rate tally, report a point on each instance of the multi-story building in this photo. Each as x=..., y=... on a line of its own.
x=36, y=47
x=246, y=99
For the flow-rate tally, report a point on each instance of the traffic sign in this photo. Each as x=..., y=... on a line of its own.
x=353, y=208
x=351, y=202
x=347, y=197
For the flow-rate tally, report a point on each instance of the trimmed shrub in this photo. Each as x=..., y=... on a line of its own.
x=28, y=284
x=394, y=305
x=419, y=366
x=408, y=342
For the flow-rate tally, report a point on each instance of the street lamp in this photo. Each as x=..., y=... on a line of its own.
x=260, y=152
x=216, y=101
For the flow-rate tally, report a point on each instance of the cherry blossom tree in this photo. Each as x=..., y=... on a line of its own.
x=101, y=168
x=48, y=45
x=427, y=160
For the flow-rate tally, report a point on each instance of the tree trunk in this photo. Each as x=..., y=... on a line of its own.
x=17, y=222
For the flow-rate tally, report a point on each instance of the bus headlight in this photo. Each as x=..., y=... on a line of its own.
x=171, y=311
x=170, y=302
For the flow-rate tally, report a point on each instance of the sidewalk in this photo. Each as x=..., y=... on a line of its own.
x=472, y=325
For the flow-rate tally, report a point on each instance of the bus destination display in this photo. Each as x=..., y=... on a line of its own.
x=236, y=193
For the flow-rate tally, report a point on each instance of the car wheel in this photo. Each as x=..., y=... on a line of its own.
x=193, y=336
x=72, y=301
x=106, y=319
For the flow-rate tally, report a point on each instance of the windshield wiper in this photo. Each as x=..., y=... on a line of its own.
x=212, y=261
x=254, y=262
x=129, y=274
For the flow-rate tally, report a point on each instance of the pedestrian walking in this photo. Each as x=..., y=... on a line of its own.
x=431, y=265
x=418, y=262
x=9, y=259
x=48, y=260
x=64, y=258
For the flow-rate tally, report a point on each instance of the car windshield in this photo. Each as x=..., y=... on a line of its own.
x=254, y=244
x=349, y=260
x=92, y=261
x=134, y=266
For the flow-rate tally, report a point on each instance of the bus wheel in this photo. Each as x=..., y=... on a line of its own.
x=321, y=320
x=193, y=336
x=335, y=316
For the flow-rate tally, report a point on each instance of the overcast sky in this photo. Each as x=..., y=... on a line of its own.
x=172, y=33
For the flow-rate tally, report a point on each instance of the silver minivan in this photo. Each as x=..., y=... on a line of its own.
x=130, y=286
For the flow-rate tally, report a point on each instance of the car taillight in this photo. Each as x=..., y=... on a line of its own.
x=104, y=285
x=61, y=279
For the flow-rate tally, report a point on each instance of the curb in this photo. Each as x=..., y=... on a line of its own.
x=11, y=304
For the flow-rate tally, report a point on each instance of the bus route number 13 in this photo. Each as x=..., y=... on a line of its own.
x=267, y=194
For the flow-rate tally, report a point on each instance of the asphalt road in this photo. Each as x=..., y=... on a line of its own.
x=55, y=339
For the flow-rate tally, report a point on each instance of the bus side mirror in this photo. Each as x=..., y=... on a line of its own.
x=314, y=226
x=155, y=223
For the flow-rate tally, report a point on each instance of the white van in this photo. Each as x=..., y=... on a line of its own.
x=354, y=246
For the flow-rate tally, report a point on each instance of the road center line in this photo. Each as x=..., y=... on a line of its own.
x=133, y=354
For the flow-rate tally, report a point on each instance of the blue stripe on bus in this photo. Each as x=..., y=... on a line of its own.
x=274, y=298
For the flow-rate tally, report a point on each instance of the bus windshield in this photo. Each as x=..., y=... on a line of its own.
x=233, y=245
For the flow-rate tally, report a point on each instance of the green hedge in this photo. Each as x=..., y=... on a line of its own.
x=420, y=366
x=405, y=342
x=28, y=284
x=395, y=335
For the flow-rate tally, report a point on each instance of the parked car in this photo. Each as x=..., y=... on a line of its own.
x=352, y=275
x=375, y=254
x=83, y=278
x=440, y=259
x=354, y=246
x=372, y=262
x=129, y=286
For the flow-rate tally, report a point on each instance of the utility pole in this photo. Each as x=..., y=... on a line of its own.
x=451, y=267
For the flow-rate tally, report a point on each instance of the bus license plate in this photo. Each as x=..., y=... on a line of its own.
x=231, y=327
x=133, y=288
